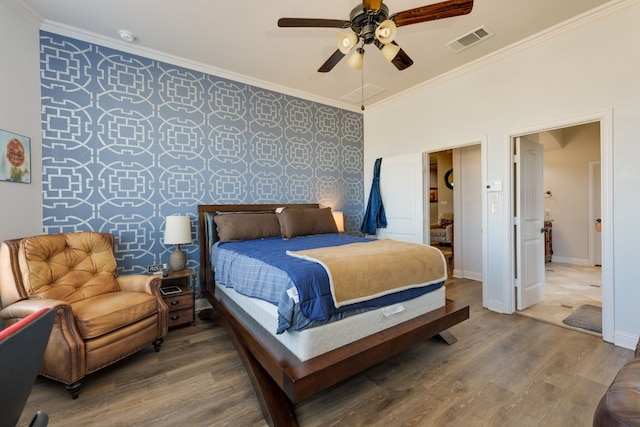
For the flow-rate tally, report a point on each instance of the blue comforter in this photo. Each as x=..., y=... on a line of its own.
x=304, y=300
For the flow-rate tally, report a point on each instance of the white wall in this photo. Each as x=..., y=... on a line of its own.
x=592, y=68
x=21, y=207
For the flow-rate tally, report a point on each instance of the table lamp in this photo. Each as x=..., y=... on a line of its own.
x=338, y=217
x=177, y=232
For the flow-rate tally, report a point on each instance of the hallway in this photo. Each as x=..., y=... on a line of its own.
x=567, y=287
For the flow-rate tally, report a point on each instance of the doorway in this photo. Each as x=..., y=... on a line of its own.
x=455, y=175
x=576, y=168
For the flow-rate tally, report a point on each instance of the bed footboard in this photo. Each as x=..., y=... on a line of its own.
x=281, y=380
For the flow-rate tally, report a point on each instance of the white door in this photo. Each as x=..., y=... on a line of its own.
x=529, y=223
x=402, y=194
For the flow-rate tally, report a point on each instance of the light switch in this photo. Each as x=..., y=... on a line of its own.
x=495, y=185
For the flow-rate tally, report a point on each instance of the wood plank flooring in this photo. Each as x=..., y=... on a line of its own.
x=503, y=371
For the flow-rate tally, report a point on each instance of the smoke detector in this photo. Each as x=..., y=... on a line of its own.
x=127, y=36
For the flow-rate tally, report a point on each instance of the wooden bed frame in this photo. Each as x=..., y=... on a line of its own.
x=279, y=378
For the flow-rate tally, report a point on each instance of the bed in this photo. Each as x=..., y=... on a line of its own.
x=286, y=368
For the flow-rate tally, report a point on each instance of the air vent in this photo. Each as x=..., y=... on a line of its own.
x=359, y=94
x=469, y=39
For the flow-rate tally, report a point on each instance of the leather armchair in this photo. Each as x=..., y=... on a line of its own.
x=100, y=318
x=620, y=405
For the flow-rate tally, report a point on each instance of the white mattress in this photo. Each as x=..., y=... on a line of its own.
x=313, y=342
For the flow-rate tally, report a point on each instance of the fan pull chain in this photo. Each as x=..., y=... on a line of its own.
x=362, y=86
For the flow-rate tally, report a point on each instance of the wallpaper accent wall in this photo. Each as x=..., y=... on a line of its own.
x=129, y=140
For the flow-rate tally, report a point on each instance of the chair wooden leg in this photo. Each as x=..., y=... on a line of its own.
x=157, y=343
x=74, y=389
x=40, y=419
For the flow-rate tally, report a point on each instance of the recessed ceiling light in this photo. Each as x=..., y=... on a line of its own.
x=127, y=36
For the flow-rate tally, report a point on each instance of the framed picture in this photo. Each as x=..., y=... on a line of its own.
x=433, y=195
x=15, y=164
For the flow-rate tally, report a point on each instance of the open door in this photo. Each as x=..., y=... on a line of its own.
x=529, y=222
x=403, y=197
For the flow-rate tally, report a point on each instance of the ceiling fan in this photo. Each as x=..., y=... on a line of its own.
x=371, y=23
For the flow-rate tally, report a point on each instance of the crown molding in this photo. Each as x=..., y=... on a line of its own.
x=76, y=33
x=567, y=26
x=26, y=12
x=87, y=36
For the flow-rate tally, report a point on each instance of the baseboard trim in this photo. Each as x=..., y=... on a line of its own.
x=463, y=274
x=626, y=340
x=566, y=260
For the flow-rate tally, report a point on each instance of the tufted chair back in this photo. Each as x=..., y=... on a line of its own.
x=69, y=267
x=100, y=317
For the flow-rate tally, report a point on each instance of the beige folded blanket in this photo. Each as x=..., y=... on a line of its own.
x=361, y=271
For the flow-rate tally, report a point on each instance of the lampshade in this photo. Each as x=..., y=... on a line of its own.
x=338, y=217
x=389, y=51
x=356, y=59
x=346, y=42
x=177, y=230
x=386, y=31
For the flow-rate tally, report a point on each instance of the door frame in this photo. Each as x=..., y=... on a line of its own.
x=605, y=118
x=593, y=234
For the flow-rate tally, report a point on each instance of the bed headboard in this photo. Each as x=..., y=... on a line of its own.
x=208, y=235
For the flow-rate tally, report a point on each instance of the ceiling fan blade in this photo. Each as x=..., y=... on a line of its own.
x=371, y=4
x=331, y=62
x=401, y=60
x=313, y=22
x=432, y=12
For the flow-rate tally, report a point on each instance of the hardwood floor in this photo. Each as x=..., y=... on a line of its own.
x=503, y=371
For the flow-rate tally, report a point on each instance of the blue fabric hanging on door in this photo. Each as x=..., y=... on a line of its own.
x=374, y=216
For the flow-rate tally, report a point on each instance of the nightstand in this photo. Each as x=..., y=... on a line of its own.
x=181, y=305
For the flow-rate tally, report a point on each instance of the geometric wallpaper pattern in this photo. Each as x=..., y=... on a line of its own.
x=129, y=140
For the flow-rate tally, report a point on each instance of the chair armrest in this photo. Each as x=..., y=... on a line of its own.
x=140, y=283
x=64, y=358
x=23, y=308
x=150, y=285
x=434, y=225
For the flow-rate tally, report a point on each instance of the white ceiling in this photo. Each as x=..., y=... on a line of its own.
x=240, y=39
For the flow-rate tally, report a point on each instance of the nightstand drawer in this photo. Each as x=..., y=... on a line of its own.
x=179, y=302
x=180, y=317
x=181, y=305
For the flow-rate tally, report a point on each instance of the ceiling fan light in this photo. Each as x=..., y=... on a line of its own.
x=386, y=31
x=356, y=59
x=389, y=51
x=346, y=42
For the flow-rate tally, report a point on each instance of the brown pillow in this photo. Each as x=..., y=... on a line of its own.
x=304, y=222
x=246, y=226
